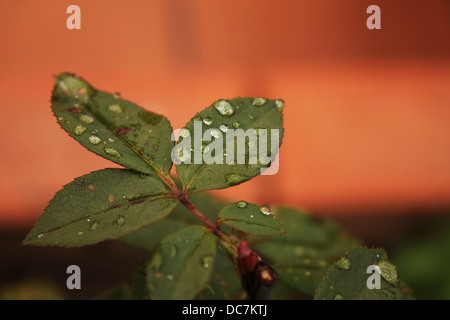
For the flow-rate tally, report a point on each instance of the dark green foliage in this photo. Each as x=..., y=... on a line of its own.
x=197, y=245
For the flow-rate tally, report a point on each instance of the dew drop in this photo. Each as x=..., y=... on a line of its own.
x=339, y=297
x=236, y=124
x=115, y=108
x=79, y=130
x=116, y=95
x=224, y=107
x=204, y=148
x=40, y=235
x=388, y=271
x=216, y=133
x=156, y=262
x=265, y=209
x=94, y=139
x=252, y=216
x=207, y=121
x=80, y=233
x=184, y=133
x=241, y=204
x=343, y=263
x=86, y=118
x=94, y=226
x=234, y=178
x=120, y=221
x=169, y=277
x=207, y=261
x=113, y=152
x=307, y=273
x=173, y=251
x=223, y=128
x=279, y=104
x=258, y=101
x=110, y=140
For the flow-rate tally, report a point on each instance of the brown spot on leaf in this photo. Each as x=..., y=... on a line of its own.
x=75, y=110
x=111, y=198
x=91, y=187
x=124, y=130
x=158, y=275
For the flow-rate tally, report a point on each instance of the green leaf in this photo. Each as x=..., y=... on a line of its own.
x=149, y=236
x=347, y=278
x=228, y=116
x=104, y=204
x=139, y=289
x=182, y=264
x=119, y=293
x=224, y=282
x=303, y=254
x=250, y=218
x=111, y=127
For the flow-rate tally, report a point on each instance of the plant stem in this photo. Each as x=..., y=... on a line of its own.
x=226, y=242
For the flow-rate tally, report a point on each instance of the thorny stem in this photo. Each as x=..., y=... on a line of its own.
x=226, y=241
x=257, y=277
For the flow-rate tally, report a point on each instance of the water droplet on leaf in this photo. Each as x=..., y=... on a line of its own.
x=338, y=297
x=173, y=251
x=388, y=271
x=207, y=121
x=79, y=130
x=86, y=118
x=279, y=104
x=241, y=204
x=258, y=101
x=265, y=209
x=224, y=107
x=113, y=152
x=169, y=277
x=343, y=263
x=234, y=178
x=156, y=262
x=184, y=133
x=115, y=108
x=94, y=139
x=216, y=133
x=94, y=226
x=207, y=261
x=223, y=128
x=40, y=235
x=120, y=221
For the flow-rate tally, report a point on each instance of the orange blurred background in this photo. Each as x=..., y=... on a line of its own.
x=367, y=111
